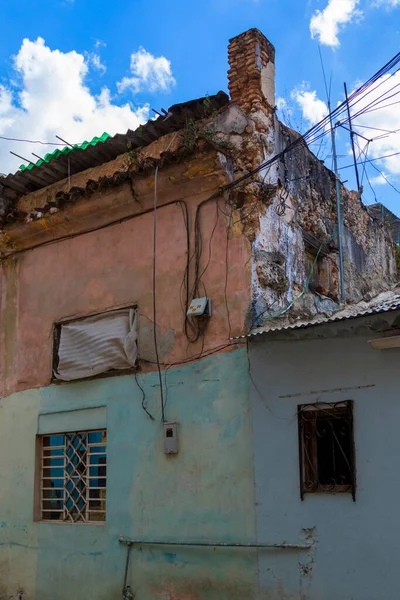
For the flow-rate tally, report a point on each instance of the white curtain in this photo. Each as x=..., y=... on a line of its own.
x=97, y=344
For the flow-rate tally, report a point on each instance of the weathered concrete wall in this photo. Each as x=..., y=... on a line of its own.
x=292, y=202
x=149, y=495
x=205, y=493
x=95, y=253
x=303, y=203
x=353, y=551
x=113, y=266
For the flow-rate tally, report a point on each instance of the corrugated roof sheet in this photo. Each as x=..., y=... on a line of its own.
x=385, y=302
x=81, y=158
x=67, y=150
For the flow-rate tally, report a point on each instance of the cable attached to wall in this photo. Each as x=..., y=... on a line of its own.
x=154, y=285
x=143, y=398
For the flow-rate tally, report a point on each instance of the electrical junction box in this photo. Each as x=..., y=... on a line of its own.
x=200, y=307
x=171, y=438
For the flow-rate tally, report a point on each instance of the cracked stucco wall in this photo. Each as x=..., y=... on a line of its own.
x=292, y=201
x=285, y=203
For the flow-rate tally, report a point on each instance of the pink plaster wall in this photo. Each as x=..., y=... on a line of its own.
x=110, y=267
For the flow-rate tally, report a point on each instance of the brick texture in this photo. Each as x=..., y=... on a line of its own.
x=248, y=53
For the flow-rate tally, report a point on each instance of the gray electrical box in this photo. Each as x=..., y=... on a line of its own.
x=171, y=438
x=199, y=307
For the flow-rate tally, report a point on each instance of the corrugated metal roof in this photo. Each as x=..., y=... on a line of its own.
x=362, y=309
x=67, y=150
x=81, y=158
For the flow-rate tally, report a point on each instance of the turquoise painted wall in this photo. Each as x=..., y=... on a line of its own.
x=204, y=493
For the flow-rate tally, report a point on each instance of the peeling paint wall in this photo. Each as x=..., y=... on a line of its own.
x=290, y=202
x=187, y=497
x=183, y=498
x=305, y=204
x=95, y=252
x=353, y=550
x=112, y=266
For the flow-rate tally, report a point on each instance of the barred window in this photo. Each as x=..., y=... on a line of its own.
x=73, y=477
x=326, y=448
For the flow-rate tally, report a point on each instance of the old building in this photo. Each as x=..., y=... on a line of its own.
x=124, y=414
x=384, y=215
x=324, y=405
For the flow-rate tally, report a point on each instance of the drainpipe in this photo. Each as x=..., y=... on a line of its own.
x=282, y=546
x=126, y=589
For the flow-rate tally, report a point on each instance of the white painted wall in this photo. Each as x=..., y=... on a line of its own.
x=355, y=545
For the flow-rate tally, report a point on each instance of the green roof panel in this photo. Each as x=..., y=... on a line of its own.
x=66, y=150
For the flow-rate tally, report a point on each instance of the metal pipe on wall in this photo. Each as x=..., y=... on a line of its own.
x=283, y=545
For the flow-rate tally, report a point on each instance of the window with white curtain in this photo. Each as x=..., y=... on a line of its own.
x=95, y=345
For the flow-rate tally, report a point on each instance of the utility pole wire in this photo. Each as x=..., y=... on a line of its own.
x=352, y=140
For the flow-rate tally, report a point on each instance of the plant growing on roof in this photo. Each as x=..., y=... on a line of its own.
x=190, y=134
x=208, y=111
x=131, y=159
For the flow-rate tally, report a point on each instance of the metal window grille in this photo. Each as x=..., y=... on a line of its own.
x=326, y=448
x=73, y=477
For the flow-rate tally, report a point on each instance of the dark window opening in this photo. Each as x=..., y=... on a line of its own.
x=326, y=448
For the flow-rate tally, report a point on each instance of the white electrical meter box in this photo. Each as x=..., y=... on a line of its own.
x=171, y=438
x=200, y=307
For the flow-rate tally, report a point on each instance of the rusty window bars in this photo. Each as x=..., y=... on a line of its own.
x=326, y=448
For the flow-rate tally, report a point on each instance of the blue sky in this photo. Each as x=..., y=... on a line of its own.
x=100, y=66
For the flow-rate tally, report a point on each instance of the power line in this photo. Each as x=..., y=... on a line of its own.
x=370, y=160
x=320, y=129
x=375, y=128
x=364, y=152
x=154, y=285
x=328, y=96
x=385, y=178
x=10, y=139
x=381, y=107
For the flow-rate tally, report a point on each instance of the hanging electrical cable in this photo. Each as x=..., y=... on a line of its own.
x=154, y=284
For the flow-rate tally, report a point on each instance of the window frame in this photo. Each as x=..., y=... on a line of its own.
x=307, y=473
x=38, y=510
x=56, y=337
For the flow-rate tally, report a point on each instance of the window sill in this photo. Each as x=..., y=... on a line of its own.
x=49, y=522
x=55, y=381
x=339, y=489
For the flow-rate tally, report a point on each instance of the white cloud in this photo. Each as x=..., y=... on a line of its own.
x=386, y=117
x=96, y=62
x=313, y=109
x=51, y=97
x=326, y=24
x=378, y=180
x=148, y=72
x=281, y=103
x=387, y=3
x=380, y=123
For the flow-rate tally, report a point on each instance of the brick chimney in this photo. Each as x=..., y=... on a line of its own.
x=252, y=70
